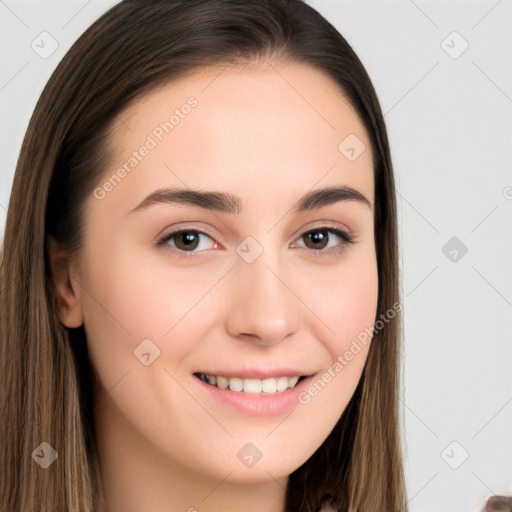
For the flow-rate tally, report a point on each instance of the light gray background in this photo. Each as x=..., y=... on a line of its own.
x=449, y=121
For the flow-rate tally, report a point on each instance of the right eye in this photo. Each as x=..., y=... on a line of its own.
x=188, y=240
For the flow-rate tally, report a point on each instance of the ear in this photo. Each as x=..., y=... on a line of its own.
x=65, y=285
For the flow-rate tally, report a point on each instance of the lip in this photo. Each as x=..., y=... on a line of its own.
x=274, y=405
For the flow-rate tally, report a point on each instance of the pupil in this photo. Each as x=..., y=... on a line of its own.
x=188, y=239
x=318, y=237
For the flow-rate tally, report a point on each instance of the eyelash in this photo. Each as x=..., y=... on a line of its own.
x=345, y=237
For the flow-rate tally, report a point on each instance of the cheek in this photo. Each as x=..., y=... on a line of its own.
x=131, y=298
x=128, y=298
x=344, y=304
x=345, y=300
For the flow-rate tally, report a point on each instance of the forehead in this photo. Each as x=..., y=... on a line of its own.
x=244, y=127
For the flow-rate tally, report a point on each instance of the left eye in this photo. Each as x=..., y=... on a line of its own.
x=316, y=239
x=320, y=238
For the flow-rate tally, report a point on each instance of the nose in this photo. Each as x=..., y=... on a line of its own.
x=263, y=307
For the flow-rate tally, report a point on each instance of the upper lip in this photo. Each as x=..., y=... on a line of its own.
x=257, y=373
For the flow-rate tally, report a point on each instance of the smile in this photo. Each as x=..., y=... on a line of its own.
x=254, y=386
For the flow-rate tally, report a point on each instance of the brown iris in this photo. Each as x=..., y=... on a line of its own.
x=186, y=240
x=318, y=239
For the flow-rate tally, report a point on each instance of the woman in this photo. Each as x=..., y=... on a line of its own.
x=200, y=296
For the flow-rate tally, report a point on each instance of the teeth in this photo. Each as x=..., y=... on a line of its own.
x=268, y=386
x=282, y=383
x=292, y=381
x=254, y=386
x=236, y=384
x=222, y=383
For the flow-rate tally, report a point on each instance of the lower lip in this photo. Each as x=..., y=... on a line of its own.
x=253, y=404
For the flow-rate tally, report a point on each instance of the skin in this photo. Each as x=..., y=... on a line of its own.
x=268, y=134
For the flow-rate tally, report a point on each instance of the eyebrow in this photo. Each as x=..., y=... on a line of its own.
x=228, y=203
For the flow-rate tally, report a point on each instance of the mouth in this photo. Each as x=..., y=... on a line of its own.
x=275, y=393
x=269, y=386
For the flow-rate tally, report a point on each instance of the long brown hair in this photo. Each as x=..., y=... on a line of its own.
x=45, y=392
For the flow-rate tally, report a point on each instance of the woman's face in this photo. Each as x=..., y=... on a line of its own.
x=261, y=285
